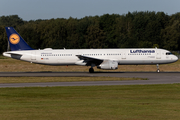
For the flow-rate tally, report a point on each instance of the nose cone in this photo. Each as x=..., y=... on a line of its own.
x=175, y=58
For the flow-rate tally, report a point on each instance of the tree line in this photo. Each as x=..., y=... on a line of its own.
x=131, y=30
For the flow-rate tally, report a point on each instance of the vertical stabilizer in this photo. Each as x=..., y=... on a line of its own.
x=15, y=41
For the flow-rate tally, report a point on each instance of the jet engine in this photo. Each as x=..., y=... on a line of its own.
x=108, y=65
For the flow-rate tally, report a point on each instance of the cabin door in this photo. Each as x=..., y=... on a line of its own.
x=123, y=55
x=158, y=54
x=33, y=55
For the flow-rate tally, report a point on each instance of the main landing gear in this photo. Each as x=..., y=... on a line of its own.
x=157, y=68
x=91, y=70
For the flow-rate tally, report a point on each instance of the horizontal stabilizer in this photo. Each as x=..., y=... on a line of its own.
x=12, y=55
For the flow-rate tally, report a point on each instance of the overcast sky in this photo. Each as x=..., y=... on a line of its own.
x=47, y=9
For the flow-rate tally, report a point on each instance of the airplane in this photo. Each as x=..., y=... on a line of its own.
x=106, y=59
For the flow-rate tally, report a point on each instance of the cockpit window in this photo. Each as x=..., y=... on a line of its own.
x=168, y=53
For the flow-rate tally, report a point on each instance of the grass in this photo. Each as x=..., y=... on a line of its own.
x=61, y=79
x=133, y=102
x=12, y=65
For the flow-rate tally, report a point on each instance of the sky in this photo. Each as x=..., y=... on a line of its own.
x=48, y=9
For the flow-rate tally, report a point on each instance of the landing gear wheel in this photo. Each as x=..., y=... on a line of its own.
x=158, y=70
x=91, y=70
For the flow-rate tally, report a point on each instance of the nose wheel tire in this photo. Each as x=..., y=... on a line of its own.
x=91, y=70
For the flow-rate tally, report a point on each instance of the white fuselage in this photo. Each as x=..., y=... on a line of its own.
x=130, y=56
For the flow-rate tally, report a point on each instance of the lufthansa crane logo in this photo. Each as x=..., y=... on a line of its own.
x=14, y=39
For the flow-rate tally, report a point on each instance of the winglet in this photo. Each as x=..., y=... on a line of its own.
x=15, y=40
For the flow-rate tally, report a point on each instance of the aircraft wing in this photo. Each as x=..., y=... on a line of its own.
x=90, y=60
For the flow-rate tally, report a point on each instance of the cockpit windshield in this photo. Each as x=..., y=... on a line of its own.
x=168, y=53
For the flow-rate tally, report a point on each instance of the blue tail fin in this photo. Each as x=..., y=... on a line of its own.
x=16, y=42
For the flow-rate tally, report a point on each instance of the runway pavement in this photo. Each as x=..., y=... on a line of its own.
x=153, y=78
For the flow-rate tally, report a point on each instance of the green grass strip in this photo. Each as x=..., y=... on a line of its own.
x=132, y=102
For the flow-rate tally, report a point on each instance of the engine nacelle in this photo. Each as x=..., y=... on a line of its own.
x=108, y=65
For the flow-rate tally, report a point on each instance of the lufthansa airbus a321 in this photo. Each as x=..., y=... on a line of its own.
x=107, y=59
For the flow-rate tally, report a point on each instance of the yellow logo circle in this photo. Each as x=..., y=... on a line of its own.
x=14, y=39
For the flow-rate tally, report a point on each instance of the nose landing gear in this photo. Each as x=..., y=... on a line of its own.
x=157, y=68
